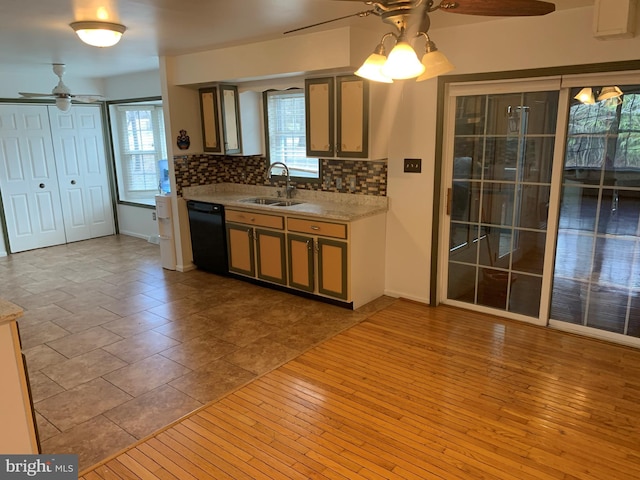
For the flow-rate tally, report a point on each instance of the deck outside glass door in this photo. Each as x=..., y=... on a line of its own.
x=498, y=197
x=596, y=282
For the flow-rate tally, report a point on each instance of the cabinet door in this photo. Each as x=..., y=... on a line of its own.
x=241, y=250
x=301, y=273
x=210, y=126
x=319, y=117
x=332, y=268
x=353, y=117
x=270, y=246
x=231, y=119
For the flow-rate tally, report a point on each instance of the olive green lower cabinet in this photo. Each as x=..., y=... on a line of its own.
x=341, y=261
x=254, y=251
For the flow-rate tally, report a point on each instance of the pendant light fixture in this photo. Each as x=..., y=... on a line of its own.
x=402, y=62
x=99, y=34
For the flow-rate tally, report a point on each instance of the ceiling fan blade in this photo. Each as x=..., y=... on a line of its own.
x=364, y=13
x=498, y=8
x=87, y=98
x=35, y=95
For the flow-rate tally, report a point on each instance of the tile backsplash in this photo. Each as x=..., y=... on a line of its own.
x=363, y=177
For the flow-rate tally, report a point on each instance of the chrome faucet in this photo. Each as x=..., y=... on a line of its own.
x=289, y=188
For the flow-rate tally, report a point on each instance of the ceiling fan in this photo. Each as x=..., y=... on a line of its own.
x=411, y=19
x=62, y=93
x=389, y=10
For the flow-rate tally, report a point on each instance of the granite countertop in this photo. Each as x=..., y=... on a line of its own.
x=327, y=205
x=9, y=312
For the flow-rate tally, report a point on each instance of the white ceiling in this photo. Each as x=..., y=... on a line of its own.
x=36, y=33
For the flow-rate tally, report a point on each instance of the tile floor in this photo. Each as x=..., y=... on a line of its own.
x=118, y=347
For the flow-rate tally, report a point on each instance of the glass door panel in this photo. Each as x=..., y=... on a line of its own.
x=596, y=280
x=503, y=150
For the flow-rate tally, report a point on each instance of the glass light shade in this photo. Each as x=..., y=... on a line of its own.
x=585, y=96
x=435, y=63
x=99, y=34
x=63, y=104
x=371, y=69
x=402, y=63
x=609, y=92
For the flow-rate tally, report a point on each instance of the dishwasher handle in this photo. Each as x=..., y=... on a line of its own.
x=204, y=207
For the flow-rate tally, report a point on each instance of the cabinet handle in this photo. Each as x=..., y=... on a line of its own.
x=253, y=219
x=309, y=244
x=317, y=246
x=250, y=233
x=314, y=227
x=73, y=182
x=41, y=185
x=449, y=199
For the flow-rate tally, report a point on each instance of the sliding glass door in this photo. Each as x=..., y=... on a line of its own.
x=596, y=282
x=498, y=198
x=542, y=218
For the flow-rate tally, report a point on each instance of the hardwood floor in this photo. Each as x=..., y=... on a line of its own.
x=414, y=392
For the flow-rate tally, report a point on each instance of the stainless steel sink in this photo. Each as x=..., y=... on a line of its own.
x=262, y=200
x=274, y=202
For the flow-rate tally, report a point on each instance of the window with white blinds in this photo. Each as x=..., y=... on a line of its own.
x=140, y=150
x=287, y=135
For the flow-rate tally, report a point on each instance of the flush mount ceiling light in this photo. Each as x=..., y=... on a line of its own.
x=99, y=34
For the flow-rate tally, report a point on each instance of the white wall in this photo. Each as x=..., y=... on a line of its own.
x=137, y=221
x=132, y=220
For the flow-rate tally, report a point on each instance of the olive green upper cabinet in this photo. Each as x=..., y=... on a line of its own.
x=231, y=121
x=210, y=125
x=319, y=109
x=343, y=116
x=353, y=117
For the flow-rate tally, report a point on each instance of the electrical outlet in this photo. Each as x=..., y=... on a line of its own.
x=153, y=215
x=339, y=183
x=413, y=165
x=352, y=184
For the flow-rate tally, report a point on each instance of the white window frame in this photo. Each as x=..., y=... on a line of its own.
x=123, y=154
x=300, y=166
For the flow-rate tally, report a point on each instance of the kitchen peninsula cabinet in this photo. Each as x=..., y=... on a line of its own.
x=230, y=121
x=343, y=116
x=16, y=412
x=342, y=261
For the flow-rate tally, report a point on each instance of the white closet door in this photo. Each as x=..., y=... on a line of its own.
x=82, y=172
x=28, y=180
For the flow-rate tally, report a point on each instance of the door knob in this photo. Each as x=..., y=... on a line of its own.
x=41, y=185
x=73, y=182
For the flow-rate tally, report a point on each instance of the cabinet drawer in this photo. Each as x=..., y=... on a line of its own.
x=326, y=229
x=259, y=219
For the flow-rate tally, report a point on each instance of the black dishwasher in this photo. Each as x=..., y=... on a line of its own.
x=208, y=236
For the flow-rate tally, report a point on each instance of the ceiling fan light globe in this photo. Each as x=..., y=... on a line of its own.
x=99, y=34
x=63, y=104
x=371, y=69
x=435, y=64
x=402, y=63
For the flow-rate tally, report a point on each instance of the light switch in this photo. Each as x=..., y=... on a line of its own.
x=413, y=165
